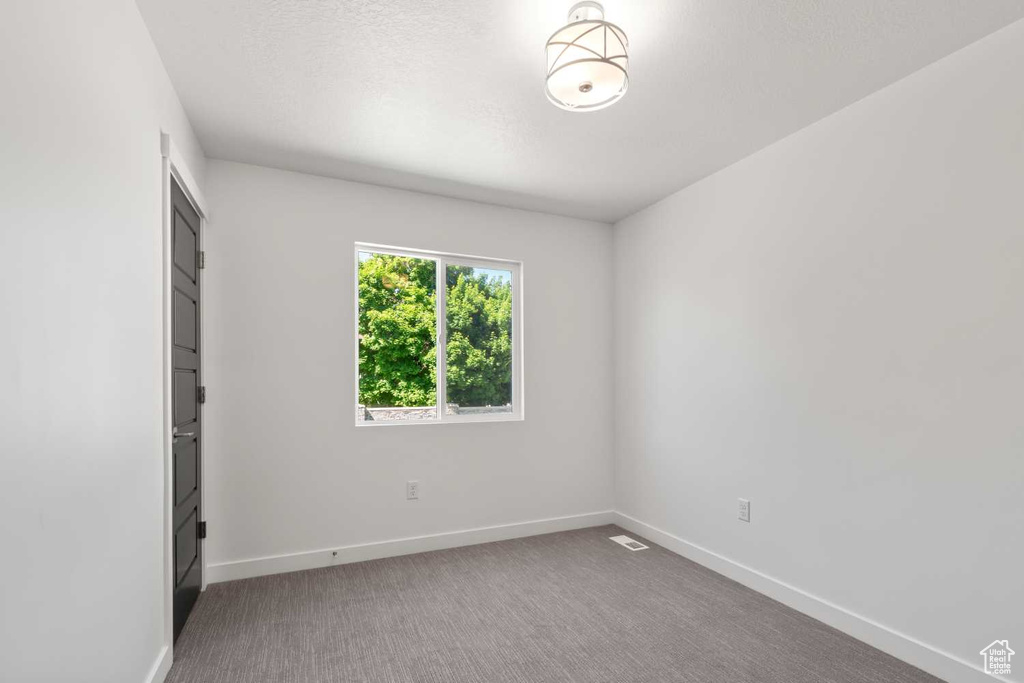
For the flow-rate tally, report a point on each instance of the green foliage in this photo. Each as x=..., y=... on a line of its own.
x=398, y=326
x=479, y=339
x=397, y=329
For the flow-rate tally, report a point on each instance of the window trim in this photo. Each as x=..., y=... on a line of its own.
x=443, y=260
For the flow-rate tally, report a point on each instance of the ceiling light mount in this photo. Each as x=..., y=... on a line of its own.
x=582, y=11
x=588, y=61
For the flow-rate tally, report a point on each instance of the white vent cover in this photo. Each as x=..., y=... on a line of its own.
x=627, y=542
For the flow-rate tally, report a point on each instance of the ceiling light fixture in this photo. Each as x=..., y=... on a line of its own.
x=588, y=61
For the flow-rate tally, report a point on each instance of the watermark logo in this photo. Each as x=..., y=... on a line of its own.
x=997, y=658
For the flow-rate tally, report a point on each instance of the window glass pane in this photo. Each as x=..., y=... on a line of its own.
x=479, y=334
x=397, y=338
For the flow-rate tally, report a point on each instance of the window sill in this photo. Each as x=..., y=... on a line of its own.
x=463, y=420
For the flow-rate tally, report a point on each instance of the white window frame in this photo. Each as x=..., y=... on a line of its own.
x=442, y=261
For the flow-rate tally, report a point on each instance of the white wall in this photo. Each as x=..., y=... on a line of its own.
x=81, y=510
x=834, y=329
x=287, y=470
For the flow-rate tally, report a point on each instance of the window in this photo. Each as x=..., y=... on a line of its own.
x=436, y=330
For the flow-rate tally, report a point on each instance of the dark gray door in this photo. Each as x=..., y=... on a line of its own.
x=186, y=387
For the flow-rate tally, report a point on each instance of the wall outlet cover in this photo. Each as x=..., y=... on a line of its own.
x=744, y=510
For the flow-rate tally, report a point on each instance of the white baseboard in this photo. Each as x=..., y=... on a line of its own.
x=160, y=667
x=936, y=662
x=277, y=564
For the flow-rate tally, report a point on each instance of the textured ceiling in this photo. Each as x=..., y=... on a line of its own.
x=447, y=96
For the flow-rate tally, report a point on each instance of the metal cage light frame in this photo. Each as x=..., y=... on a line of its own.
x=588, y=61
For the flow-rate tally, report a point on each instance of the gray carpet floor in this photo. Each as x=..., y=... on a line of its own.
x=572, y=606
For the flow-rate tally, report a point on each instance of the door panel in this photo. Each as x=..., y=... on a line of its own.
x=187, y=416
x=185, y=248
x=185, y=310
x=186, y=471
x=186, y=546
x=185, y=390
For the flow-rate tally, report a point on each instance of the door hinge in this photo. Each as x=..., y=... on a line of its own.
x=201, y=394
x=201, y=259
x=202, y=529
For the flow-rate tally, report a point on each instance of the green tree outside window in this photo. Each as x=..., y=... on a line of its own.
x=398, y=329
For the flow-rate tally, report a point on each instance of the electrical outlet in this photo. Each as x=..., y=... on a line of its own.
x=412, y=490
x=744, y=510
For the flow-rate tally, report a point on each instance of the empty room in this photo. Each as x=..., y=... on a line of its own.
x=535, y=341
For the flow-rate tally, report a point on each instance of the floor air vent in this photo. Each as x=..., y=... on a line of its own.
x=628, y=542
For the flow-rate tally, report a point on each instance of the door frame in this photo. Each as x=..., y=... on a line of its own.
x=174, y=166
